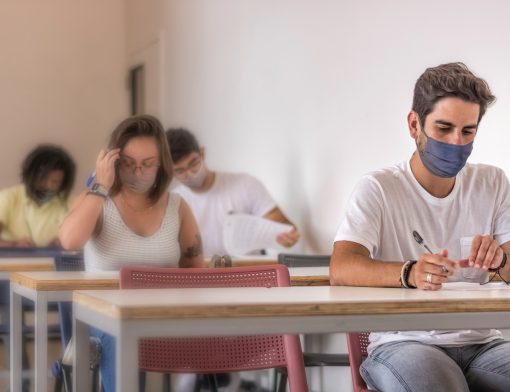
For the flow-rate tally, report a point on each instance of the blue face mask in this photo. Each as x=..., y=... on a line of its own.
x=45, y=196
x=443, y=159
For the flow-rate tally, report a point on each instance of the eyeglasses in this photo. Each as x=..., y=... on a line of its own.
x=192, y=166
x=494, y=274
x=145, y=167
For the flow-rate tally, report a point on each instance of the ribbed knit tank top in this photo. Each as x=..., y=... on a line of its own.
x=117, y=245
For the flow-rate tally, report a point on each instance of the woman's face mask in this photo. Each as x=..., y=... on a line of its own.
x=137, y=183
x=443, y=159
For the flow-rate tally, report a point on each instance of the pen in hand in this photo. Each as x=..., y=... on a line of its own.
x=419, y=239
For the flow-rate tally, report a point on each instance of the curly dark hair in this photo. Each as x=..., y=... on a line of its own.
x=42, y=160
x=449, y=80
x=144, y=125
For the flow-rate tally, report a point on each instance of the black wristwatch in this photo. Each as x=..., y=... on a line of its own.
x=98, y=190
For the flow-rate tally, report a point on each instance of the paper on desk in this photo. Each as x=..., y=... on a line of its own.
x=468, y=286
x=246, y=233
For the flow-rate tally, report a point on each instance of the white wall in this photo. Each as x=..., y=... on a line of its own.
x=309, y=95
x=63, y=79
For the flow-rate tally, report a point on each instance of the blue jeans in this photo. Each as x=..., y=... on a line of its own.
x=417, y=367
x=107, y=364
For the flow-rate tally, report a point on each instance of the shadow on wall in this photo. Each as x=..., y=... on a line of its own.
x=298, y=204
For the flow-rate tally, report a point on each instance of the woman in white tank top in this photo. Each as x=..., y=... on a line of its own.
x=129, y=217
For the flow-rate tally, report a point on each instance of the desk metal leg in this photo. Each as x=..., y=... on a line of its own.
x=41, y=342
x=81, y=379
x=16, y=341
x=126, y=357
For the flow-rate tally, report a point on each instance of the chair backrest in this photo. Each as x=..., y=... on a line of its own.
x=298, y=260
x=67, y=261
x=357, y=343
x=217, y=354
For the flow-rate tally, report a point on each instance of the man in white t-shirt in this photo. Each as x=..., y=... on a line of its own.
x=213, y=195
x=460, y=211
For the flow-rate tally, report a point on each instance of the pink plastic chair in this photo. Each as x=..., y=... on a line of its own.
x=209, y=355
x=357, y=344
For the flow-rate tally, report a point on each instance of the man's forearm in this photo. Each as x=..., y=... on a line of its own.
x=350, y=269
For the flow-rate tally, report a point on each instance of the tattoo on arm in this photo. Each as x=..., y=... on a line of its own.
x=195, y=249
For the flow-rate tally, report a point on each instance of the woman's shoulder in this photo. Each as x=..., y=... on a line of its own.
x=175, y=202
x=174, y=198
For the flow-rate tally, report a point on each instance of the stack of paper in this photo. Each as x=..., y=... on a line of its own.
x=247, y=233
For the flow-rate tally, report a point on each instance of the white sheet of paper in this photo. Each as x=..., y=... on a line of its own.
x=469, y=286
x=244, y=233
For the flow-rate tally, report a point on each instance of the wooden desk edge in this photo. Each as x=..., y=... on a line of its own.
x=36, y=267
x=285, y=309
x=63, y=285
x=314, y=280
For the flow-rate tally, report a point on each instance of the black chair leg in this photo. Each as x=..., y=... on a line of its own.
x=275, y=380
x=280, y=376
x=283, y=382
x=58, y=385
x=66, y=377
x=213, y=383
x=167, y=383
x=142, y=376
x=96, y=382
x=198, y=383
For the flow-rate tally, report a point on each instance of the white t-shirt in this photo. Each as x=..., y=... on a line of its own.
x=388, y=204
x=230, y=193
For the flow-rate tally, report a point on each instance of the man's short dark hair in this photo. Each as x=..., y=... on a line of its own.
x=449, y=80
x=40, y=162
x=182, y=143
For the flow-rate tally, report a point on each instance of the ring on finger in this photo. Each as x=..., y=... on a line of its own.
x=445, y=270
x=429, y=278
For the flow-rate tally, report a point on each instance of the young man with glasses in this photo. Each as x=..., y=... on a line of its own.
x=460, y=211
x=213, y=195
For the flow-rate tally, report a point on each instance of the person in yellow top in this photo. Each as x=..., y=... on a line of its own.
x=31, y=212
